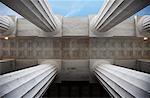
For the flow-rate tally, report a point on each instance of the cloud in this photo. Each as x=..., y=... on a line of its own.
x=72, y=12
x=75, y=9
x=72, y=8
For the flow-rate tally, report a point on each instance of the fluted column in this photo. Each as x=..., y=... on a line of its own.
x=36, y=11
x=6, y=25
x=122, y=82
x=144, y=25
x=115, y=11
x=27, y=83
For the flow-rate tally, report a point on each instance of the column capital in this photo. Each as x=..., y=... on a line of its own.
x=7, y=25
x=144, y=25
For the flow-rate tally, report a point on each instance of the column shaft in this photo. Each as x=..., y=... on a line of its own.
x=36, y=11
x=27, y=83
x=122, y=82
x=115, y=11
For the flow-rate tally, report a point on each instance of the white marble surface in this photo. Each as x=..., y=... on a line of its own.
x=75, y=26
x=6, y=60
x=123, y=82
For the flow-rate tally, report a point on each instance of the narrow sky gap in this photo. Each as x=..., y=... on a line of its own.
x=72, y=8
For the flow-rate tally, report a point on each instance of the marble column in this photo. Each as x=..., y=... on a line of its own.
x=36, y=11
x=27, y=83
x=122, y=82
x=114, y=12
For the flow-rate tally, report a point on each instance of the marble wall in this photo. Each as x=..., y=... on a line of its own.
x=75, y=48
x=31, y=48
x=119, y=48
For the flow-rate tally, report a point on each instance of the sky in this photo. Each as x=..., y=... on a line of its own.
x=72, y=8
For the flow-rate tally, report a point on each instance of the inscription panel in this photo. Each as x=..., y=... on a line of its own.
x=31, y=48
x=119, y=48
x=75, y=48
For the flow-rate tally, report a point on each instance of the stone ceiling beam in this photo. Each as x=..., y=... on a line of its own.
x=114, y=12
x=36, y=11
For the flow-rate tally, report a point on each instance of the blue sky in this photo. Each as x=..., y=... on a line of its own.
x=72, y=8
